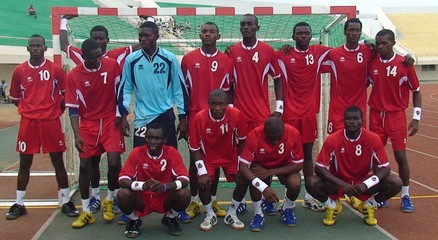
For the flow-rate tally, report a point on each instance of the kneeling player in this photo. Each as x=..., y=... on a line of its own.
x=272, y=149
x=153, y=179
x=213, y=138
x=352, y=161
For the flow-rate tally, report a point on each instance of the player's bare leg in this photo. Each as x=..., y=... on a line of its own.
x=95, y=201
x=404, y=172
x=216, y=207
x=292, y=183
x=86, y=216
x=176, y=201
x=309, y=202
x=114, y=166
x=239, y=192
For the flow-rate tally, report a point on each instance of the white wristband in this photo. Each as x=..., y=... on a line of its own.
x=230, y=105
x=178, y=184
x=279, y=106
x=63, y=24
x=201, y=167
x=137, y=185
x=371, y=181
x=259, y=184
x=417, y=113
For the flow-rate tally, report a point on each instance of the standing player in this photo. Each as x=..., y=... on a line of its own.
x=156, y=78
x=253, y=60
x=153, y=179
x=389, y=98
x=272, y=149
x=204, y=69
x=344, y=166
x=213, y=136
x=97, y=131
x=100, y=35
x=35, y=89
x=301, y=68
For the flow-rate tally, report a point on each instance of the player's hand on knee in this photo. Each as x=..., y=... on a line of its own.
x=270, y=195
x=360, y=188
x=260, y=171
x=204, y=182
x=349, y=190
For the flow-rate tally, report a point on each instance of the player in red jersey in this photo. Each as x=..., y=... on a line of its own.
x=301, y=67
x=253, y=60
x=100, y=35
x=392, y=81
x=352, y=161
x=212, y=139
x=153, y=179
x=204, y=69
x=272, y=149
x=97, y=131
x=36, y=88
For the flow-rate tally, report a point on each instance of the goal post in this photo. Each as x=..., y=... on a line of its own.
x=179, y=34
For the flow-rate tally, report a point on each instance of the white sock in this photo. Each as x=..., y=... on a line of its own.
x=258, y=208
x=330, y=203
x=95, y=193
x=172, y=213
x=233, y=207
x=243, y=201
x=110, y=195
x=371, y=202
x=405, y=191
x=20, y=197
x=213, y=198
x=195, y=199
x=132, y=216
x=287, y=203
x=85, y=205
x=209, y=208
x=115, y=193
x=65, y=193
x=307, y=195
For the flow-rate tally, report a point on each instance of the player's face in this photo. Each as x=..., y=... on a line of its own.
x=154, y=140
x=217, y=107
x=384, y=45
x=36, y=47
x=248, y=27
x=101, y=39
x=209, y=35
x=352, y=121
x=302, y=36
x=353, y=32
x=147, y=38
x=92, y=59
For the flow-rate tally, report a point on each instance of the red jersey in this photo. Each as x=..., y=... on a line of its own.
x=217, y=138
x=94, y=91
x=141, y=166
x=250, y=78
x=38, y=89
x=301, y=78
x=349, y=78
x=118, y=54
x=289, y=149
x=392, y=81
x=203, y=73
x=352, y=160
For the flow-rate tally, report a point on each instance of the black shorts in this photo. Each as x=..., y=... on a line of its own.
x=167, y=119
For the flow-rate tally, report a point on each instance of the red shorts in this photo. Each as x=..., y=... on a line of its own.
x=306, y=126
x=229, y=168
x=35, y=134
x=152, y=203
x=100, y=136
x=390, y=125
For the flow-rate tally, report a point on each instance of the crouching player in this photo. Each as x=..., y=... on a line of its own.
x=153, y=179
x=272, y=149
x=352, y=161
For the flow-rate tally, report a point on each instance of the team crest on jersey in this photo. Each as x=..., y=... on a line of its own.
x=239, y=59
x=262, y=151
x=87, y=83
x=342, y=150
x=61, y=143
x=208, y=130
x=197, y=65
x=342, y=59
x=29, y=79
x=145, y=166
x=292, y=60
x=140, y=67
x=376, y=72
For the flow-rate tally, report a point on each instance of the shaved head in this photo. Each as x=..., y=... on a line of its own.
x=274, y=129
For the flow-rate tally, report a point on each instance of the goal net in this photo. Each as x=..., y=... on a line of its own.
x=179, y=33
